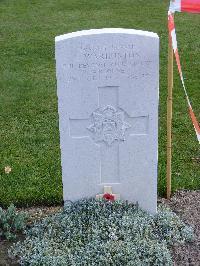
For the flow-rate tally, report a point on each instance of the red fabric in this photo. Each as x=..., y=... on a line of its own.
x=191, y=6
x=108, y=196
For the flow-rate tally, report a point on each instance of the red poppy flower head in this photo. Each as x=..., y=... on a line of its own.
x=108, y=196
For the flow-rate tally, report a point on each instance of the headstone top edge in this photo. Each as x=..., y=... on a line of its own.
x=105, y=30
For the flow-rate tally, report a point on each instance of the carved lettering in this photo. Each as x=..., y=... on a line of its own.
x=106, y=62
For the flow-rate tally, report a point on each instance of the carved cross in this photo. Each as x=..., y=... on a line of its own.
x=109, y=126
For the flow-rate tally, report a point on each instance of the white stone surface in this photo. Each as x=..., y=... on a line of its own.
x=107, y=84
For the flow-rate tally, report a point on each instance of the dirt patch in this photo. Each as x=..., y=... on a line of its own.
x=185, y=203
x=37, y=213
x=4, y=260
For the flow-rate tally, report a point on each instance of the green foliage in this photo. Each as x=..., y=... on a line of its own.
x=170, y=228
x=11, y=222
x=98, y=232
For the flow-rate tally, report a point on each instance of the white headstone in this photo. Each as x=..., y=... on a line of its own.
x=107, y=82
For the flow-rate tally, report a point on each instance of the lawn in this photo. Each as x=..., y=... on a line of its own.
x=29, y=136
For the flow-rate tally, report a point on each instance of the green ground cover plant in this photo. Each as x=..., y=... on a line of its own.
x=28, y=104
x=99, y=232
x=11, y=223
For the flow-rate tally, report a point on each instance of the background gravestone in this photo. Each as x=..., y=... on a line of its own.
x=107, y=82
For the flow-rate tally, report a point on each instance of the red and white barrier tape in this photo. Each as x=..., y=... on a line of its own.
x=192, y=6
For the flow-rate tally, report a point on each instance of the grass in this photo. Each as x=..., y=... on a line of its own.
x=29, y=136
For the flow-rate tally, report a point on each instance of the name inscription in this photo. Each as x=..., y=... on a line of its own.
x=107, y=62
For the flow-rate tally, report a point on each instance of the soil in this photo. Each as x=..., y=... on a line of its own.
x=185, y=203
x=4, y=260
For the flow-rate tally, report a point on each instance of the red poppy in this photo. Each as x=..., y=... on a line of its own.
x=108, y=196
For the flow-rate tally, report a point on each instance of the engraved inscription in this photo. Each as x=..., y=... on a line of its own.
x=107, y=62
x=108, y=125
